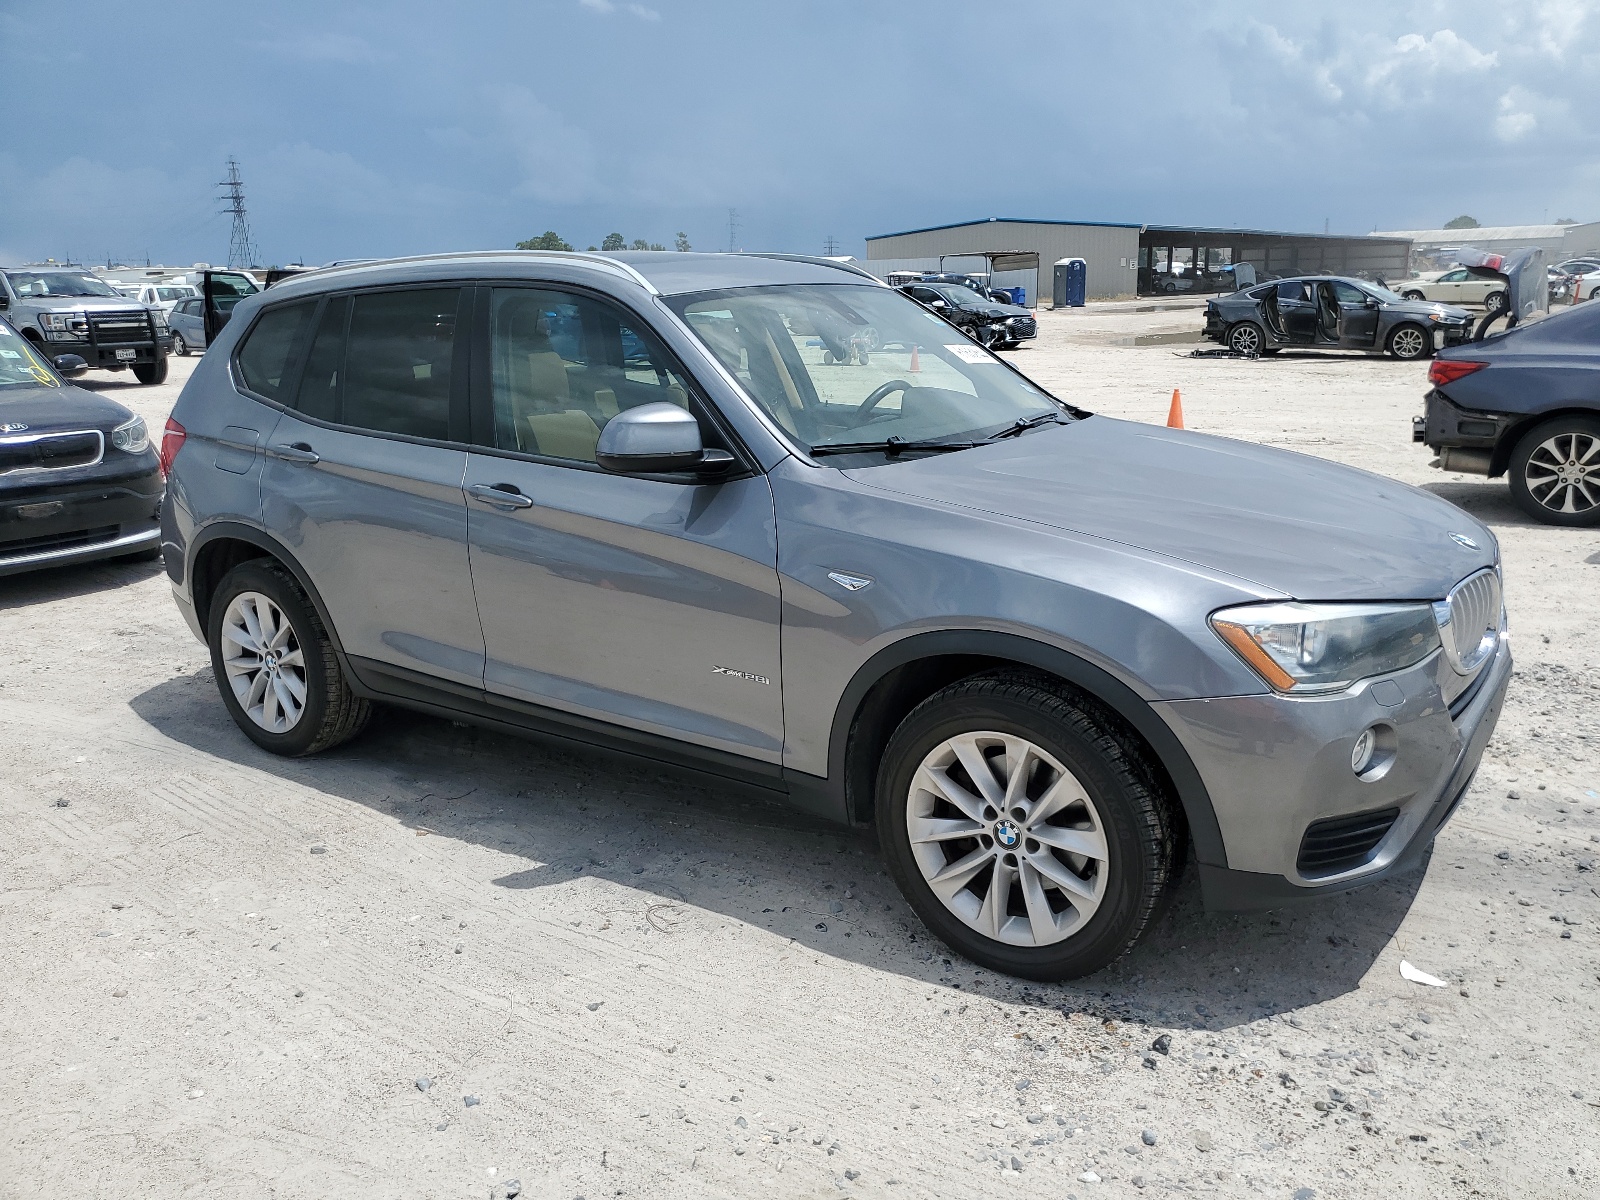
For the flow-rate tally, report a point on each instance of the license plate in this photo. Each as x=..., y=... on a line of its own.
x=127, y=355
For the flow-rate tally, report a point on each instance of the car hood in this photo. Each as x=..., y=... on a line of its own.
x=46, y=409
x=1286, y=522
x=76, y=303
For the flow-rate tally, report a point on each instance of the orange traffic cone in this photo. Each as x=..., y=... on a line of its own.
x=916, y=362
x=1175, y=413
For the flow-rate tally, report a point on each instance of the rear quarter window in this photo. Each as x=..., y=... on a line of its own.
x=266, y=357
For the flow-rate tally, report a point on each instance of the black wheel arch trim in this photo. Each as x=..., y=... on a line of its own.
x=238, y=531
x=1204, y=830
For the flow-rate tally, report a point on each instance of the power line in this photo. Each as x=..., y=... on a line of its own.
x=241, y=251
x=733, y=230
x=830, y=245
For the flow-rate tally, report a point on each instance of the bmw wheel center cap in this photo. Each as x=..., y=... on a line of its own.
x=1007, y=834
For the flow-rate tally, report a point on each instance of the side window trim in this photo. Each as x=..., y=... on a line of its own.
x=297, y=354
x=459, y=390
x=482, y=380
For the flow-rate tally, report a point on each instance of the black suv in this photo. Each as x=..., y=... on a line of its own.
x=997, y=326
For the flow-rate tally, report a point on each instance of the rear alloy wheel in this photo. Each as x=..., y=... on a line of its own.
x=1555, y=472
x=1410, y=342
x=179, y=346
x=1412, y=295
x=275, y=664
x=1023, y=828
x=1246, y=338
x=1494, y=301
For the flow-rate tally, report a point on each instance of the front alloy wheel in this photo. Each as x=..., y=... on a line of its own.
x=1025, y=825
x=1007, y=838
x=1555, y=472
x=1409, y=342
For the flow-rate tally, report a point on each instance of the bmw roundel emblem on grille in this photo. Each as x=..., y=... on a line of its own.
x=1462, y=539
x=1007, y=834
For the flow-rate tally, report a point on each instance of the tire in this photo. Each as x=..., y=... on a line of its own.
x=1555, y=472
x=1247, y=338
x=1116, y=813
x=151, y=373
x=1413, y=294
x=1494, y=301
x=1410, y=342
x=330, y=712
x=179, y=346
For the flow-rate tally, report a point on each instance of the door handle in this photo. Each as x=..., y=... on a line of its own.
x=297, y=452
x=501, y=495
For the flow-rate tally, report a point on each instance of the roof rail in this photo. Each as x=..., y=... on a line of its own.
x=816, y=262
x=600, y=260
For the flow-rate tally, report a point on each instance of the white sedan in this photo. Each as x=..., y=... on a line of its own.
x=1455, y=286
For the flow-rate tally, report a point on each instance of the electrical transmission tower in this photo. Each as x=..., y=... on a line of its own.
x=242, y=252
x=830, y=245
x=733, y=230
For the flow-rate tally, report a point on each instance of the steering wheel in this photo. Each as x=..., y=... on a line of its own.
x=879, y=394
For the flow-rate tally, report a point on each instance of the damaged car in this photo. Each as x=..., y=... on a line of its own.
x=1319, y=312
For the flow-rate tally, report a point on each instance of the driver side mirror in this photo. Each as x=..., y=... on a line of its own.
x=70, y=365
x=657, y=439
x=937, y=304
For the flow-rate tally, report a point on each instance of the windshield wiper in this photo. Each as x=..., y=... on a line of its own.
x=1023, y=424
x=891, y=446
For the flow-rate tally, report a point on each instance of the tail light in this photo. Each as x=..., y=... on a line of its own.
x=1448, y=370
x=171, y=442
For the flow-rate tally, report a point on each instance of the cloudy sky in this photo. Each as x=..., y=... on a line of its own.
x=377, y=129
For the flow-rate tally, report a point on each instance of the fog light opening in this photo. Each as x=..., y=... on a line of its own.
x=1373, y=752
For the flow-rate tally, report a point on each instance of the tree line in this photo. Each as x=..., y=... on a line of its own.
x=551, y=240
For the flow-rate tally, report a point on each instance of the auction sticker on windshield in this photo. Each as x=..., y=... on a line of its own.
x=972, y=354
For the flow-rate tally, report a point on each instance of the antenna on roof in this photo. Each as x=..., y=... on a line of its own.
x=241, y=251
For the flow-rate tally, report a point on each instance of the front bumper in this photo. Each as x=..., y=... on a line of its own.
x=110, y=356
x=1274, y=766
x=90, y=515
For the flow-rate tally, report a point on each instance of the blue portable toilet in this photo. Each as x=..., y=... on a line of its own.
x=1071, y=282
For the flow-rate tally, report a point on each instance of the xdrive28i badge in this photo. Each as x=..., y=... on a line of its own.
x=750, y=675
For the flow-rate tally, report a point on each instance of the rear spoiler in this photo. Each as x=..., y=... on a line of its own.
x=1523, y=273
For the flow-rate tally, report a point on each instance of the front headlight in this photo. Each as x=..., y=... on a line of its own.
x=1309, y=648
x=131, y=436
x=160, y=318
x=63, y=326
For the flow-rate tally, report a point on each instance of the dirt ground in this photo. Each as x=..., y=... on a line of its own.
x=438, y=961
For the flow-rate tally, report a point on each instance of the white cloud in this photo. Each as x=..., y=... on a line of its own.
x=325, y=47
x=607, y=7
x=1514, y=122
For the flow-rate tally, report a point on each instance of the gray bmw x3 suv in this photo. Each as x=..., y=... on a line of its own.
x=631, y=501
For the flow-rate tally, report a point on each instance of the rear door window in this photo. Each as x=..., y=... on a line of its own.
x=266, y=359
x=1291, y=290
x=399, y=362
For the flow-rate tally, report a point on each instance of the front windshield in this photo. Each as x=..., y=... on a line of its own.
x=841, y=364
x=20, y=364
x=955, y=293
x=1382, y=293
x=57, y=283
